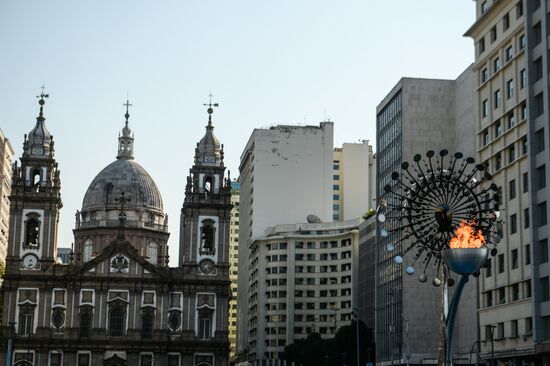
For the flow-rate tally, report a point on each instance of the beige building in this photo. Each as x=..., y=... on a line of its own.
x=354, y=190
x=6, y=154
x=302, y=279
x=233, y=266
x=502, y=130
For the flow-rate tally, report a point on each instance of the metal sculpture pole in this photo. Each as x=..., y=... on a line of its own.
x=442, y=208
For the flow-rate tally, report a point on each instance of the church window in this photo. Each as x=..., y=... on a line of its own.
x=36, y=179
x=205, y=327
x=116, y=322
x=146, y=359
x=83, y=359
x=173, y=359
x=88, y=249
x=152, y=252
x=204, y=360
x=147, y=325
x=58, y=318
x=56, y=358
x=85, y=324
x=32, y=232
x=174, y=320
x=208, y=185
x=207, y=237
x=25, y=324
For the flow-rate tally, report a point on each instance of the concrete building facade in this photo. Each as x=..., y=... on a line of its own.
x=6, y=155
x=233, y=267
x=303, y=278
x=279, y=167
x=416, y=116
x=353, y=180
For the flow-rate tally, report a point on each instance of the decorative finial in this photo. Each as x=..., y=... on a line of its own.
x=42, y=102
x=210, y=110
x=127, y=105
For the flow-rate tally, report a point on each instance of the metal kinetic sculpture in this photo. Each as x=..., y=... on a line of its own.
x=444, y=209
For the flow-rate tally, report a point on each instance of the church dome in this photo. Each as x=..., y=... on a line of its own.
x=126, y=176
x=209, y=150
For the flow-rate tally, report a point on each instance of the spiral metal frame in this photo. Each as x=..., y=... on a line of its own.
x=429, y=199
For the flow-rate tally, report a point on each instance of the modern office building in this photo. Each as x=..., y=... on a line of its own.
x=285, y=175
x=511, y=98
x=6, y=154
x=233, y=266
x=416, y=116
x=366, y=282
x=354, y=171
x=303, y=278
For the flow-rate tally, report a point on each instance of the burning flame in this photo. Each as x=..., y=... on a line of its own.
x=466, y=236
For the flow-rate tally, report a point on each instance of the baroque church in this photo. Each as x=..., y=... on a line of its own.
x=118, y=302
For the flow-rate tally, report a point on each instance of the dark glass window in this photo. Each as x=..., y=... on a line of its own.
x=25, y=324
x=116, y=322
x=85, y=324
x=147, y=326
x=500, y=263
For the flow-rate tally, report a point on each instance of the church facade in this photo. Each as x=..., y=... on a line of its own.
x=117, y=302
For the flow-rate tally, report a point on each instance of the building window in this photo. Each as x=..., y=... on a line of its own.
x=523, y=111
x=498, y=128
x=522, y=42
x=513, y=224
x=484, y=108
x=88, y=249
x=493, y=34
x=146, y=359
x=56, y=358
x=116, y=322
x=484, y=7
x=336, y=187
x=545, y=289
x=496, y=99
x=484, y=75
x=527, y=254
x=496, y=64
x=85, y=324
x=511, y=118
x=511, y=153
x=543, y=251
x=540, y=177
x=500, y=331
x=519, y=9
x=506, y=22
x=510, y=88
x=485, y=137
x=336, y=177
x=498, y=161
x=512, y=189
x=514, y=328
x=539, y=140
x=525, y=178
x=515, y=258
x=500, y=263
x=522, y=79
x=538, y=68
x=528, y=326
x=32, y=232
x=524, y=145
x=205, y=327
x=83, y=359
x=336, y=197
x=489, y=298
x=526, y=218
x=502, y=295
x=25, y=324
x=147, y=326
x=489, y=268
x=539, y=105
x=481, y=45
x=509, y=53
x=541, y=214
x=152, y=253
x=537, y=33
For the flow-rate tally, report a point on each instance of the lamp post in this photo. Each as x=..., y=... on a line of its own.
x=442, y=207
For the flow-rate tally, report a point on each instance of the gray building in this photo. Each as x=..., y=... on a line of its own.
x=416, y=116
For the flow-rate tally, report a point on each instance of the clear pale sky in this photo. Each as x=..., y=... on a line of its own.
x=266, y=62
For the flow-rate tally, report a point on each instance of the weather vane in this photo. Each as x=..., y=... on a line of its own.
x=210, y=105
x=127, y=105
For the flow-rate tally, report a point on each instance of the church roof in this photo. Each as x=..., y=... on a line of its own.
x=39, y=141
x=123, y=176
x=209, y=149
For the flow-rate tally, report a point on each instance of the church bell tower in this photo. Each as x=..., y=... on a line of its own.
x=205, y=218
x=35, y=201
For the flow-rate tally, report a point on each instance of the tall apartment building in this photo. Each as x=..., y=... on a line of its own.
x=416, y=116
x=366, y=282
x=285, y=175
x=302, y=279
x=233, y=266
x=6, y=154
x=353, y=180
x=511, y=97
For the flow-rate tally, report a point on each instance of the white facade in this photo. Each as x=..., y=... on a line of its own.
x=302, y=279
x=285, y=175
x=354, y=172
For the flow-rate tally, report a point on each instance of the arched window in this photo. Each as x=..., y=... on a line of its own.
x=85, y=324
x=207, y=237
x=152, y=252
x=36, y=179
x=116, y=322
x=208, y=185
x=32, y=233
x=87, y=250
x=147, y=326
